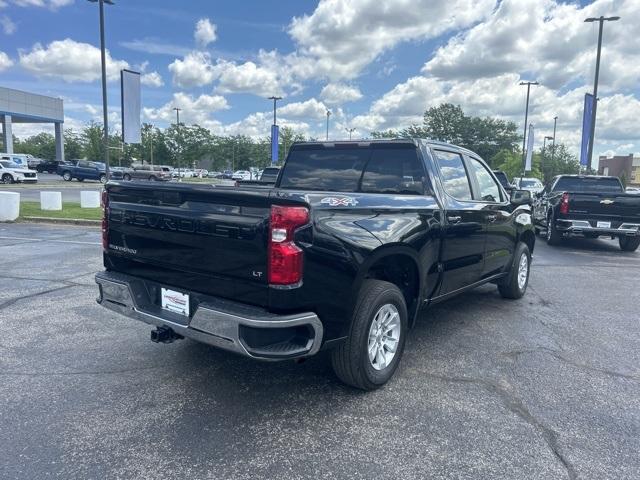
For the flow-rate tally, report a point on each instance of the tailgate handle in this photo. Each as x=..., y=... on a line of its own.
x=454, y=219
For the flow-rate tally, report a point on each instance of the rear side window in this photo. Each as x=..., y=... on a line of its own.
x=489, y=190
x=588, y=185
x=381, y=169
x=394, y=171
x=454, y=176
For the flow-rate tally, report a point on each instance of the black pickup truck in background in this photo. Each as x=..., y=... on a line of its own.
x=342, y=253
x=590, y=206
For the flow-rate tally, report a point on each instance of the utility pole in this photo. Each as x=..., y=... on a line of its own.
x=350, y=130
x=328, y=115
x=553, y=149
x=178, y=139
x=544, y=150
x=592, y=132
x=152, y=145
x=526, y=119
x=105, y=116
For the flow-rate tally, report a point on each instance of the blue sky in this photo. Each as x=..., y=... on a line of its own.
x=375, y=65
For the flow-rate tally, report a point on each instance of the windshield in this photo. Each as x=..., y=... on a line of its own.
x=7, y=164
x=530, y=183
x=588, y=185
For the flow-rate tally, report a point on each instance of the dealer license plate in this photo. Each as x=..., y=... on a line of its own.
x=175, y=301
x=603, y=224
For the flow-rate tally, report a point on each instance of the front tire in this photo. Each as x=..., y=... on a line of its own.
x=103, y=178
x=7, y=178
x=127, y=177
x=371, y=354
x=629, y=244
x=515, y=285
x=66, y=176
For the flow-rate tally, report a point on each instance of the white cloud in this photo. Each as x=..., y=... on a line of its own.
x=310, y=109
x=339, y=93
x=152, y=79
x=194, y=70
x=5, y=61
x=193, y=110
x=197, y=69
x=205, y=32
x=246, y=78
x=50, y=4
x=8, y=27
x=341, y=37
x=554, y=44
x=70, y=60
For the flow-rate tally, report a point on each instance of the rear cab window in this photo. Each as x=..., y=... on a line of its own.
x=588, y=185
x=455, y=180
x=378, y=168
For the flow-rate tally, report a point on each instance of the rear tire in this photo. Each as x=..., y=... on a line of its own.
x=515, y=284
x=553, y=237
x=383, y=303
x=66, y=176
x=629, y=244
x=152, y=178
x=103, y=178
x=127, y=177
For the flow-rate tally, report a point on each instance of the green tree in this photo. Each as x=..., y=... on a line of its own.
x=72, y=145
x=42, y=145
x=92, y=143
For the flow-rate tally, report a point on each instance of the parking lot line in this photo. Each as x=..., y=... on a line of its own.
x=49, y=240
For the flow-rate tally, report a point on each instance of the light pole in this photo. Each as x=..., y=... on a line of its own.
x=104, y=86
x=526, y=118
x=350, y=130
x=544, y=149
x=553, y=149
x=328, y=115
x=275, y=99
x=178, y=139
x=592, y=133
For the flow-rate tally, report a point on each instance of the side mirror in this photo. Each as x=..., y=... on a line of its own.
x=520, y=197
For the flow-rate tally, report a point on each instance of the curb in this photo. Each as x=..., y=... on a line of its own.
x=62, y=221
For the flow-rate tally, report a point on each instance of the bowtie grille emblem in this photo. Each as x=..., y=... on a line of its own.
x=606, y=202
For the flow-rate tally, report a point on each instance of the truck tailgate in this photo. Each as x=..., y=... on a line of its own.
x=616, y=207
x=208, y=240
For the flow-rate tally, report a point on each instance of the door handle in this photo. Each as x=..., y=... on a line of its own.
x=492, y=218
x=454, y=219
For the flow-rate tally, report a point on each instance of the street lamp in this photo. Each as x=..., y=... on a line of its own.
x=544, y=147
x=328, y=115
x=592, y=133
x=275, y=99
x=553, y=149
x=104, y=86
x=178, y=139
x=526, y=118
x=350, y=130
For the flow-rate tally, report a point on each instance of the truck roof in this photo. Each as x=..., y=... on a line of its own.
x=382, y=141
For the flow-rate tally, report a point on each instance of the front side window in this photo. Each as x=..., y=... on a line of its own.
x=489, y=189
x=454, y=176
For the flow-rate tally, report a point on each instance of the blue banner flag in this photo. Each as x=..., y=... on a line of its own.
x=274, y=144
x=587, y=117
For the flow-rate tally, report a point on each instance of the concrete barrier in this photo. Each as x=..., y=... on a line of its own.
x=9, y=206
x=51, y=200
x=89, y=199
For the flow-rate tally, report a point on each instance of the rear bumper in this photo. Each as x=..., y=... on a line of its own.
x=578, y=227
x=240, y=328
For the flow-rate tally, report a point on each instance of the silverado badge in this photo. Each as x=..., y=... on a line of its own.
x=606, y=201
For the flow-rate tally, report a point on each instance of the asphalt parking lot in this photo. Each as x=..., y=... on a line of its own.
x=546, y=387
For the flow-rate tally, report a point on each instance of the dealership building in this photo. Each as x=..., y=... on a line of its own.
x=17, y=106
x=626, y=166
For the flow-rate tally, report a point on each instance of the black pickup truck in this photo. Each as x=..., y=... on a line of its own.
x=590, y=206
x=354, y=239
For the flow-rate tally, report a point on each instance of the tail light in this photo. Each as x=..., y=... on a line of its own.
x=285, y=258
x=104, y=201
x=564, y=203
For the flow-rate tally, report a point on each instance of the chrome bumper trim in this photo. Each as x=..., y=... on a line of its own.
x=215, y=321
x=583, y=226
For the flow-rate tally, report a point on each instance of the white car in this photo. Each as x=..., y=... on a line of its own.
x=633, y=190
x=12, y=173
x=529, y=183
x=241, y=175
